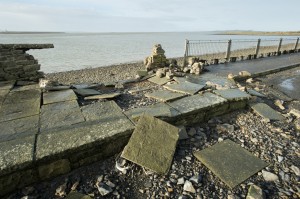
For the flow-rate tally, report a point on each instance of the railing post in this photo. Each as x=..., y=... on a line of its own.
x=296, y=45
x=279, y=46
x=228, y=50
x=186, y=52
x=257, y=48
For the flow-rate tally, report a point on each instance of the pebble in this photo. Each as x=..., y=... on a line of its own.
x=103, y=189
x=255, y=192
x=196, y=179
x=280, y=158
x=188, y=186
x=268, y=176
x=192, y=132
x=295, y=169
x=180, y=181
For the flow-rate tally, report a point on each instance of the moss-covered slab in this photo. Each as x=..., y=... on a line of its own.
x=16, y=154
x=60, y=114
x=230, y=162
x=84, y=92
x=160, y=110
x=7, y=85
x=100, y=110
x=185, y=87
x=197, y=103
x=67, y=142
x=19, y=110
x=19, y=128
x=158, y=80
x=266, y=112
x=59, y=96
x=164, y=95
x=152, y=144
x=233, y=94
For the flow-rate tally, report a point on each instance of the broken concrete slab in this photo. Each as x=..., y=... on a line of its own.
x=26, y=87
x=211, y=79
x=57, y=88
x=16, y=154
x=33, y=96
x=233, y=94
x=230, y=162
x=147, y=146
x=266, y=112
x=77, y=195
x=19, y=128
x=103, y=96
x=255, y=93
x=165, y=95
x=60, y=114
x=7, y=85
x=80, y=86
x=84, y=92
x=100, y=110
x=59, y=96
x=185, y=87
x=158, y=80
x=142, y=73
x=109, y=84
x=160, y=110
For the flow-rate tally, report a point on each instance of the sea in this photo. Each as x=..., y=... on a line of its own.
x=74, y=51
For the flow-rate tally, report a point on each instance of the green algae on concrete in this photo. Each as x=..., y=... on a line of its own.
x=59, y=96
x=230, y=162
x=160, y=110
x=16, y=154
x=60, y=114
x=266, y=112
x=165, y=95
x=84, y=92
x=19, y=128
x=152, y=144
x=233, y=94
x=158, y=80
x=185, y=87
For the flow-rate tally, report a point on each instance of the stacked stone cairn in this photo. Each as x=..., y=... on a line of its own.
x=157, y=59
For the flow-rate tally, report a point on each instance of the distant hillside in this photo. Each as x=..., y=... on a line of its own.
x=276, y=33
x=27, y=32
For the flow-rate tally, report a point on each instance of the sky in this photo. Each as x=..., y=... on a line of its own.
x=149, y=15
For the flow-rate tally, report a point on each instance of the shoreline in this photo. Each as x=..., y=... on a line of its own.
x=258, y=33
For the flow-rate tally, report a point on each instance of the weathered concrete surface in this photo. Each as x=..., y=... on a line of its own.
x=233, y=94
x=3, y=94
x=230, y=162
x=211, y=79
x=185, y=87
x=59, y=96
x=7, y=85
x=84, y=92
x=60, y=114
x=33, y=96
x=103, y=96
x=27, y=87
x=159, y=81
x=165, y=95
x=19, y=128
x=16, y=154
x=160, y=110
x=266, y=112
x=152, y=144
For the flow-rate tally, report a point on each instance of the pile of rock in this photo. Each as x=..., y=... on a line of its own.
x=157, y=59
x=16, y=64
x=195, y=66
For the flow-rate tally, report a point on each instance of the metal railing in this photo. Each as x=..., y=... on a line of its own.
x=215, y=51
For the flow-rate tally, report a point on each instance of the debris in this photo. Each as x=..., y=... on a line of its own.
x=266, y=112
x=268, y=176
x=156, y=59
x=279, y=104
x=74, y=186
x=84, y=92
x=249, y=81
x=231, y=76
x=121, y=169
x=225, y=128
x=180, y=181
x=244, y=74
x=295, y=112
x=182, y=133
x=61, y=190
x=103, y=189
x=188, y=186
x=255, y=192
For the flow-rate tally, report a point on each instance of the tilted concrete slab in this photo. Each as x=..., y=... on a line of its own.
x=60, y=114
x=84, y=92
x=266, y=112
x=185, y=87
x=7, y=85
x=208, y=78
x=19, y=128
x=16, y=154
x=230, y=162
x=152, y=144
x=59, y=96
x=165, y=95
x=233, y=94
x=160, y=110
x=197, y=102
x=103, y=96
x=158, y=80
x=255, y=93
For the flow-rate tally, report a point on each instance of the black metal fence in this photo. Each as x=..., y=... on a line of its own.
x=215, y=51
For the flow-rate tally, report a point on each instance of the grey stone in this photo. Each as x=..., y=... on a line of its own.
x=185, y=87
x=255, y=192
x=266, y=112
x=255, y=93
x=103, y=189
x=196, y=103
x=180, y=181
x=60, y=114
x=159, y=110
x=148, y=147
x=296, y=170
x=103, y=96
x=230, y=162
x=7, y=85
x=232, y=94
x=16, y=154
x=59, y=96
x=86, y=92
x=268, y=176
x=188, y=186
x=158, y=80
x=182, y=133
x=165, y=95
x=19, y=128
